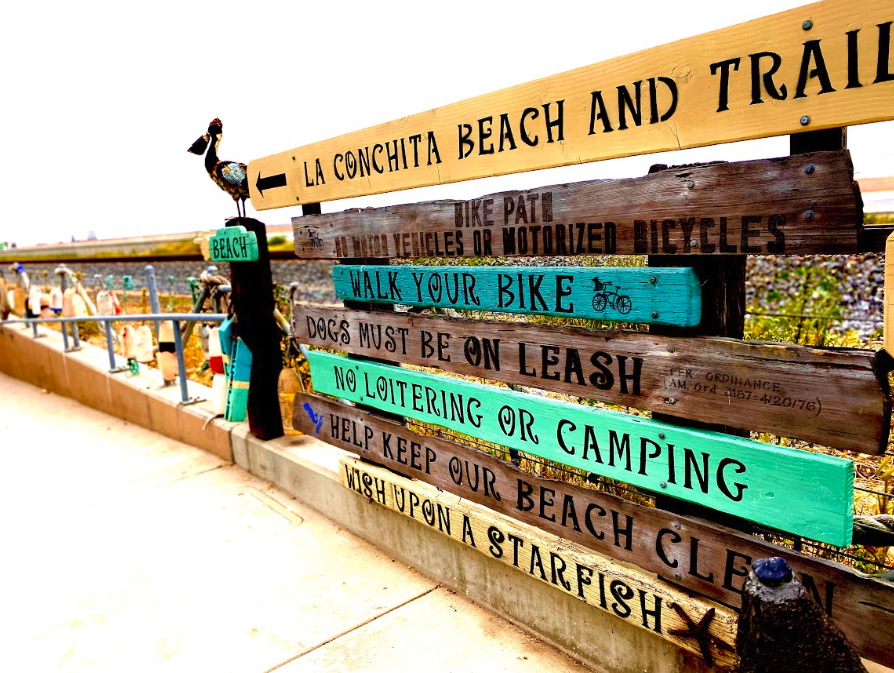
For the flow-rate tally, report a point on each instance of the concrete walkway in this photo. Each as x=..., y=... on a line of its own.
x=123, y=550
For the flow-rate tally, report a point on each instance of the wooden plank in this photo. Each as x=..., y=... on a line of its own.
x=794, y=491
x=718, y=87
x=823, y=395
x=636, y=597
x=757, y=207
x=620, y=294
x=712, y=560
x=233, y=244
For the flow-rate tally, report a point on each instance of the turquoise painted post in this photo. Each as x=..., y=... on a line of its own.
x=795, y=491
x=667, y=296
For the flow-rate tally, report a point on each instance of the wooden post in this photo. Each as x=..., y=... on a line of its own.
x=782, y=629
x=253, y=302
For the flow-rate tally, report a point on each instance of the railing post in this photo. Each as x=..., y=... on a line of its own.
x=153, y=294
x=181, y=363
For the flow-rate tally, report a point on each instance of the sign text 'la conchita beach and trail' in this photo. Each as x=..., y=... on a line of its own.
x=787, y=489
x=823, y=65
x=828, y=396
x=710, y=559
x=629, y=594
x=669, y=296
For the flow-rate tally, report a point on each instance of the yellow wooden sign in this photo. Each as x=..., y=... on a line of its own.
x=637, y=597
x=819, y=66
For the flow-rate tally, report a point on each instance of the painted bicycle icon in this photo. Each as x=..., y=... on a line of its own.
x=603, y=298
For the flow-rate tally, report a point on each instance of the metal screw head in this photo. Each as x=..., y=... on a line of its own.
x=671, y=348
x=678, y=576
x=654, y=314
x=693, y=243
x=293, y=158
x=807, y=25
x=653, y=280
x=809, y=215
x=805, y=120
x=690, y=184
x=661, y=435
x=677, y=525
x=671, y=400
x=663, y=484
x=809, y=169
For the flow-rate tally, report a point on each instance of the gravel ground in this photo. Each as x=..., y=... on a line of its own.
x=773, y=283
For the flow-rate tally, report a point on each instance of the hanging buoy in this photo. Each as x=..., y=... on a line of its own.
x=219, y=383
x=104, y=305
x=81, y=310
x=129, y=342
x=56, y=300
x=143, y=345
x=19, y=302
x=45, y=310
x=167, y=355
x=68, y=303
x=34, y=301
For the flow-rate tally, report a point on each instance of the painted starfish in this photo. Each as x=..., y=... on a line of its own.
x=698, y=631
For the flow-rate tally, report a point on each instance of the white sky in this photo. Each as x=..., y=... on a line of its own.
x=102, y=99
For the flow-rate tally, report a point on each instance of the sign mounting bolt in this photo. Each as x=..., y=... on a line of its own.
x=671, y=400
x=663, y=484
x=693, y=243
x=654, y=314
x=670, y=348
x=809, y=169
x=807, y=25
x=678, y=576
x=805, y=120
x=661, y=435
x=677, y=525
x=690, y=184
x=809, y=215
x=653, y=280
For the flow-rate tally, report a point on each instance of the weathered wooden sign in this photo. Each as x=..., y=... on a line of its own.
x=634, y=596
x=668, y=296
x=805, y=204
x=828, y=396
x=889, y=296
x=234, y=244
x=819, y=66
x=710, y=559
x=787, y=489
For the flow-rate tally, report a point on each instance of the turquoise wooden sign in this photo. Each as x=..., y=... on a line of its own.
x=234, y=244
x=795, y=491
x=643, y=295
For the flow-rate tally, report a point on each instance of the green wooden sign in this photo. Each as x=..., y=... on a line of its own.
x=234, y=244
x=787, y=489
x=659, y=296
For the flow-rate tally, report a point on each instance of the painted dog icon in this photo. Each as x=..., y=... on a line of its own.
x=316, y=420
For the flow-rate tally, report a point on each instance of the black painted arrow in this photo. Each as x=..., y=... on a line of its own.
x=270, y=182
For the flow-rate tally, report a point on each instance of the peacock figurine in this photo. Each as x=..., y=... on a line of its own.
x=230, y=176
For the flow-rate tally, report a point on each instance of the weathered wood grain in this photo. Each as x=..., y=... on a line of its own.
x=710, y=559
x=665, y=296
x=756, y=207
x=632, y=595
x=794, y=491
x=713, y=88
x=828, y=396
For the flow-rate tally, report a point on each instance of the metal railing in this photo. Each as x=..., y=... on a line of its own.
x=107, y=321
